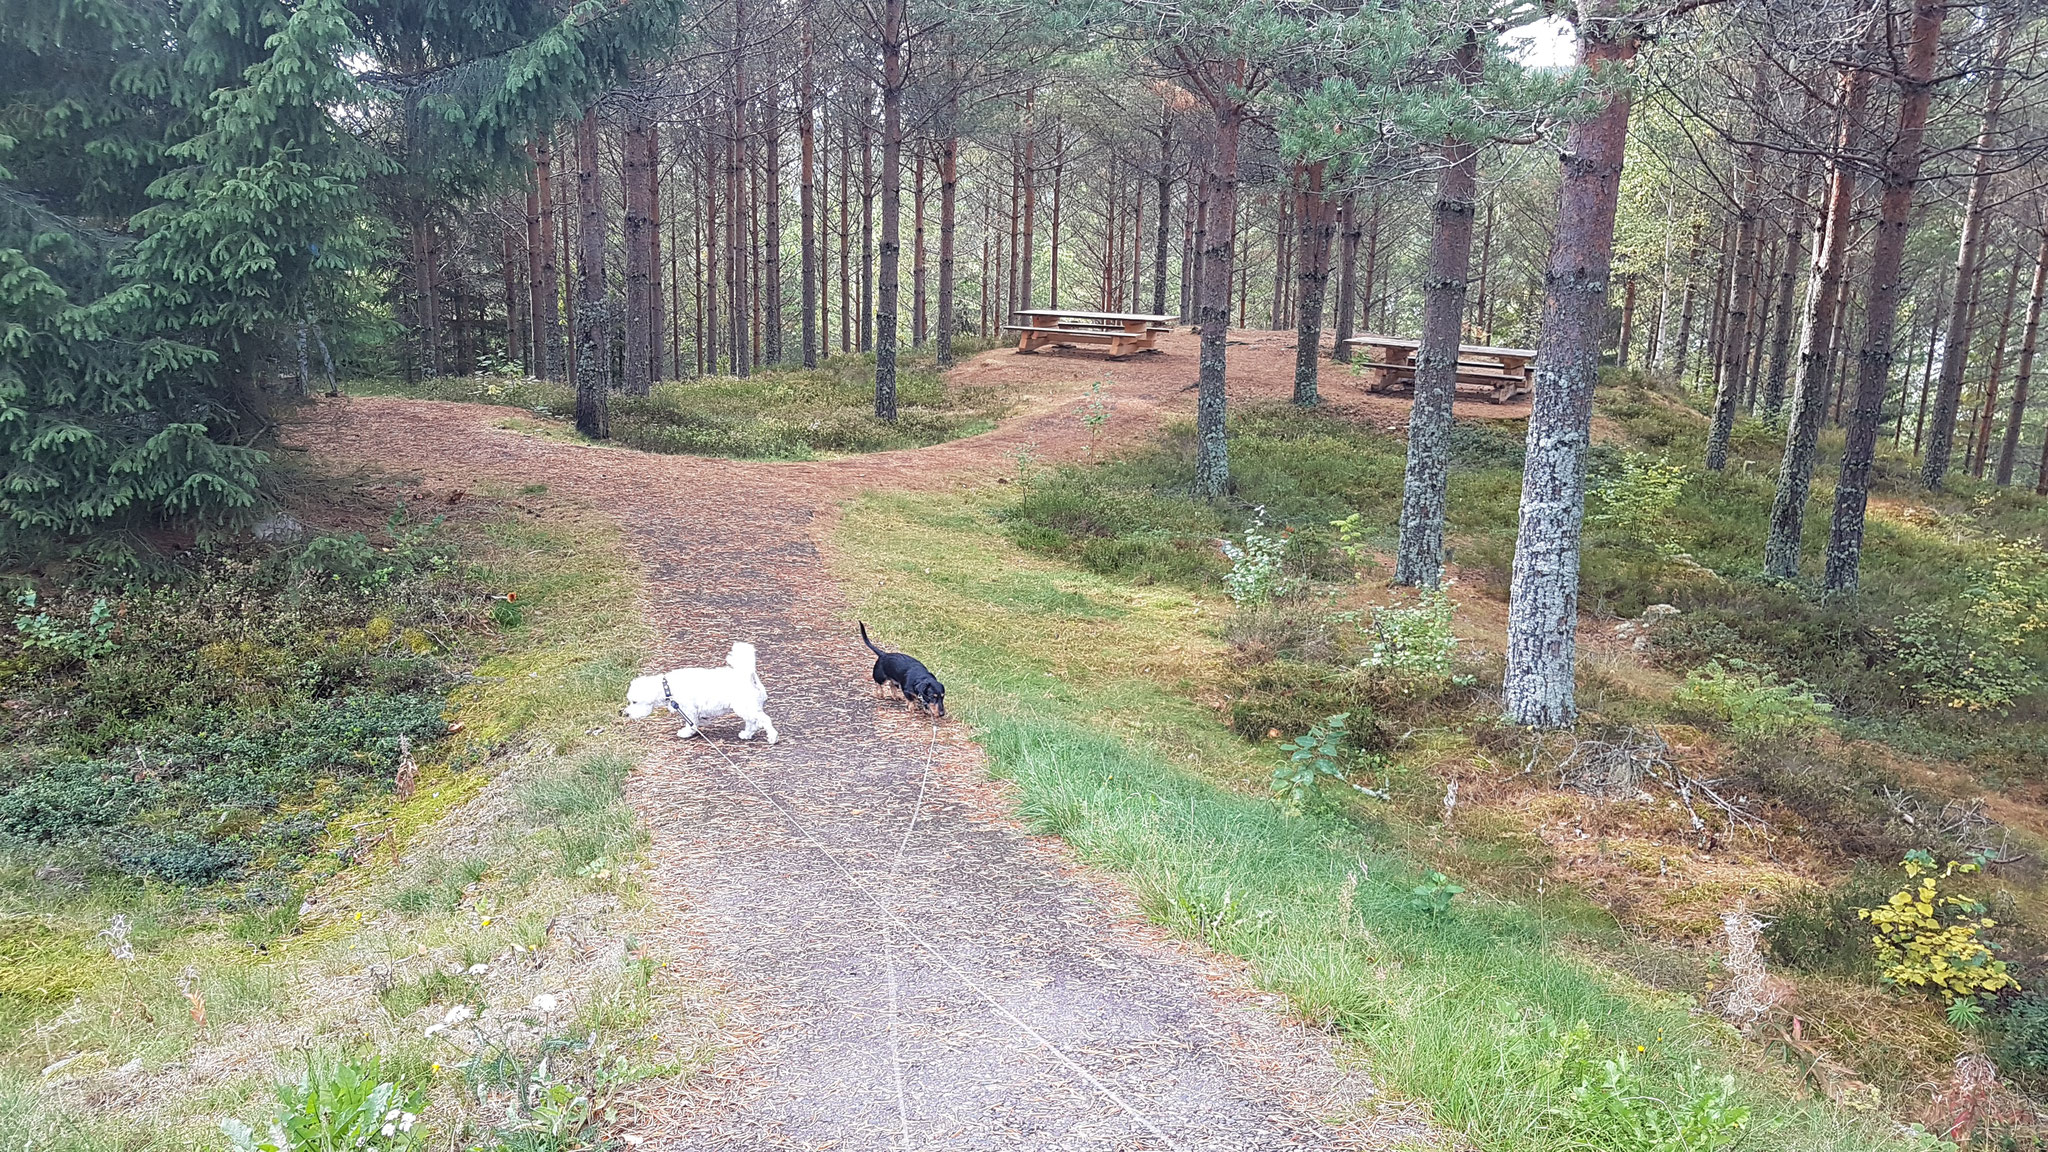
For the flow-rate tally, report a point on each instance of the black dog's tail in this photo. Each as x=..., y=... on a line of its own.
x=870, y=643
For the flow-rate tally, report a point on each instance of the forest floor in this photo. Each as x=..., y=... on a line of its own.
x=903, y=963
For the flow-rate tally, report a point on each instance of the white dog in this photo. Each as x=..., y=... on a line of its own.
x=701, y=694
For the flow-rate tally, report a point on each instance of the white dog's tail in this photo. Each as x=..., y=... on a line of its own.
x=742, y=657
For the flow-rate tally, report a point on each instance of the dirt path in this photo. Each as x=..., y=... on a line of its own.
x=911, y=970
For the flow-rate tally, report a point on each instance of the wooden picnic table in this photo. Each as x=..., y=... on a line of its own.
x=1505, y=373
x=1126, y=333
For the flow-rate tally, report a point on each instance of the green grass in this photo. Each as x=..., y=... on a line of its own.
x=1109, y=752
x=784, y=413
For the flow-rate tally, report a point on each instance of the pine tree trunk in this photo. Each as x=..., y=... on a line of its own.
x=657, y=320
x=1052, y=263
x=949, y=188
x=771, y=229
x=1419, y=557
x=1543, y=610
x=1027, y=245
x=1347, y=280
x=634, y=176
x=1954, y=360
x=1735, y=332
x=712, y=260
x=1199, y=246
x=515, y=347
x=1164, y=179
x=867, y=236
x=806, y=193
x=1901, y=174
x=1788, y=272
x=1283, y=244
x=1318, y=218
x=1212, y=454
x=1818, y=336
x=739, y=308
x=892, y=32
x=1980, y=444
x=2023, y=377
x=593, y=306
x=846, y=319
x=919, y=315
x=547, y=293
x=1627, y=334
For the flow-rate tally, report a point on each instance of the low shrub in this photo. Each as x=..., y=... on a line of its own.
x=1414, y=642
x=1324, y=754
x=1750, y=700
x=1933, y=940
x=207, y=724
x=1281, y=696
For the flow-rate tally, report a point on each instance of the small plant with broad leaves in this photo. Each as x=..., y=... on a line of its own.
x=1933, y=940
x=81, y=640
x=1255, y=575
x=337, y=1107
x=1312, y=759
x=1433, y=896
x=1415, y=642
x=1605, y=1100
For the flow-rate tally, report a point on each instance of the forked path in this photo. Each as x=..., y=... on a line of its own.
x=911, y=969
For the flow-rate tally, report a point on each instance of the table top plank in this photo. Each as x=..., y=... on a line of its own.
x=1463, y=349
x=1077, y=314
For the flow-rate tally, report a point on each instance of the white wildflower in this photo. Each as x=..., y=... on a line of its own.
x=544, y=1003
x=457, y=1015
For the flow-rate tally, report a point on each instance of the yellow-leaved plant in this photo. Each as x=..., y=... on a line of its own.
x=1932, y=940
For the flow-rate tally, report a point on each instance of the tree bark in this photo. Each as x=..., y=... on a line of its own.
x=593, y=307
x=1981, y=443
x=1419, y=558
x=892, y=32
x=1901, y=173
x=771, y=228
x=1347, y=280
x=657, y=322
x=1543, y=609
x=1817, y=336
x=1955, y=352
x=1788, y=272
x=1027, y=246
x=2023, y=377
x=807, y=207
x=867, y=235
x=1212, y=453
x=635, y=176
x=547, y=293
x=919, y=316
x=1317, y=214
x=515, y=306
x=1741, y=296
x=1164, y=179
x=949, y=188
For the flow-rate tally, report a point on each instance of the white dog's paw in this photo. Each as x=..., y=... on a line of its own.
x=685, y=732
x=746, y=735
x=773, y=737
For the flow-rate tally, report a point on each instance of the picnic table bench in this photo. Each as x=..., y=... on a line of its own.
x=1504, y=373
x=1125, y=333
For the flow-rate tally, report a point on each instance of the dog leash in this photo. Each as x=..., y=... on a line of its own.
x=891, y=918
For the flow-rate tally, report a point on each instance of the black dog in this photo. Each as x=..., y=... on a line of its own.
x=910, y=677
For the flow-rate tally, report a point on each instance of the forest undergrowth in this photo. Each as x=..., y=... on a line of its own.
x=778, y=413
x=333, y=823
x=1301, y=766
